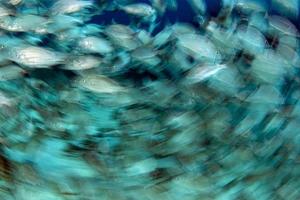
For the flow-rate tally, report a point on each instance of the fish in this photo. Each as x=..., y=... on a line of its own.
x=62, y=22
x=286, y=8
x=82, y=62
x=34, y=57
x=123, y=36
x=93, y=44
x=99, y=84
x=23, y=23
x=162, y=37
x=251, y=39
x=202, y=73
x=119, y=31
x=199, y=6
x=283, y=25
x=69, y=6
x=199, y=46
x=11, y=72
x=266, y=94
x=4, y=12
x=161, y=99
x=269, y=67
x=146, y=56
x=249, y=6
x=159, y=5
x=5, y=100
x=139, y=9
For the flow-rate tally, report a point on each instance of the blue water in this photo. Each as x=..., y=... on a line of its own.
x=184, y=13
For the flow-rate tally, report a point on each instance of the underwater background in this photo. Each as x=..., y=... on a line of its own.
x=149, y=99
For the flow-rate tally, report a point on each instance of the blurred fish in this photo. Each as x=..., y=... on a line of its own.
x=5, y=11
x=123, y=36
x=62, y=22
x=159, y=5
x=251, y=39
x=269, y=67
x=199, y=47
x=156, y=105
x=93, y=44
x=250, y=6
x=99, y=84
x=82, y=62
x=36, y=57
x=201, y=73
x=283, y=25
x=23, y=23
x=266, y=94
x=5, y=100
x=11, y=72
x=70, y=6
x=139, y=9
x=199, y=6
x=286, y=8
x=146, y=55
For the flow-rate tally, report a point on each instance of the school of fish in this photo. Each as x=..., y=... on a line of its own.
x=150, y=110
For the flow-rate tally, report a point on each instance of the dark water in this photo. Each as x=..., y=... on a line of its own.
x=184, y=13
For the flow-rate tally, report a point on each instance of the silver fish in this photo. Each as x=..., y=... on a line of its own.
x=23, y=23
x=251, y=39
x=146, y=55
x=199, y=46
x=249, y=6
x=93, y=44
x=123, y=36
x=69, y=6
x=11, y=72
x=202, y=73
x=119, y=31
x=139, y=9
x=36, y=57
x=6, y=11
x=283, y=25
x=82, y=62
x=99, y=84
x=269, y=67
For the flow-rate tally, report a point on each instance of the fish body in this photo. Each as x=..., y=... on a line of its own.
x=139, y=9
x=10, y=72
x=99, y=84
x=69, y=6
x=202, y=73
x=82, y=62
x=36, y=57
x=93, y=44
x=199, y=47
